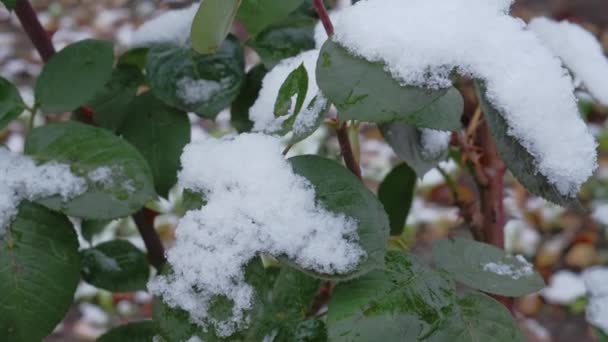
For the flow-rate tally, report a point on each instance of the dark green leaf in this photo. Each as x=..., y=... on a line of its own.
x=364, y=91
x=74, y=75
x=90, y=228
x=203, y=84
x=192, y=200
x=478, y=318
x=247, y=97
x=341, y=192
x=296, y=84
x=467, y=261
x=88, y=150
x=136, y=57
x=405, y=302
x=212, y=23
x=116, y=266
x=10, y=4
x=257, y=15
x=284, y=40
x=406, y=141
x=396, y=193
x=160, y=133
x=517, y=158
x=133, y=332
x=11, y=104
x=111, y=104
x=39, y=272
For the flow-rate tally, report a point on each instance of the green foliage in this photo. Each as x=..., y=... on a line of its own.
x=256, y=15
x=303, y=133
x=466, y=261
x=111, y=104
x=364, y=91
x=137, y=57
x=396, y=193
x=246, y=98
x=74, y=75
x=89, y=228
x=406, y=142
x=39, y=272
x=517, y=158
x=133, y=332
x=9, y=4
x=212, y=23
x=160, y=133
x=296, y=84
x=11, y=104
x=341, y=192
x=116, y=266
x=86, y=149
x=203, y=84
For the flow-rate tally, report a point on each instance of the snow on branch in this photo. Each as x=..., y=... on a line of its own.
x=422, y=42
x=256, y=205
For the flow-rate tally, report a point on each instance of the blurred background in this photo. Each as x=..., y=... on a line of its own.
x=561, y=243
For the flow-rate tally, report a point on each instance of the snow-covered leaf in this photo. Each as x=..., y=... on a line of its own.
x=203, y=84
x=160, y=133
x=74, y=75
x=487, y=268
x=116, y=266
x=365, y=91
x=119, y=180
x=308, y=120
x=11, y=103
x=257, y=15
x=341, y=192
x=143, y=331
x=39, y=273
x=396, y=193
x=408, y=144
x=212, y=23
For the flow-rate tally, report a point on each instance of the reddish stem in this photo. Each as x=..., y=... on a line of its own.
x=347, y=150
x=324, y=17
x=37, y=34
x=43, y=43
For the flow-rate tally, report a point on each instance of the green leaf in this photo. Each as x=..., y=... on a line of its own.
x=136, y=57
x=341, y=192
x=212, y=23
x=192, y=200
x=364, y=91
x=256, y=15
x=296, y=84
x=90, y=228
x=310, y=330
x=10, y=4
x=406, y=142
x=396, y=193
x=247, y=97
x=133, y=332
x=315, y=113
x=116, y=266
x=11, y=104
x=39, y=273
x=284, y=40
x=517, y=158
x=405, y=302
x=74, y=75
x=478, y=318
x=111, y=104
x=203, y=84
x=89, y=149
x=467, y=261
x=160, y=133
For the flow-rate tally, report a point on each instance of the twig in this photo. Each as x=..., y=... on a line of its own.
x=44, y=45
x=324, y=17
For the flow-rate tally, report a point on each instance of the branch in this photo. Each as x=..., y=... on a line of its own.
x=324, y=17
x=43, y=43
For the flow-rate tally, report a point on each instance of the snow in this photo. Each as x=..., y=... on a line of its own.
x=600, y=214
x=477, y=38
x=434, y=143
x=580, y=52
x=597, y=312
x=171, y=27
x=520, y=237
x=21, y=179
x=522, y=269
x=309, y=116
x=596, y=280
x=262, y=111
x=194, y=339
x=263, y=208
x=564, y=288
x=193, y=91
